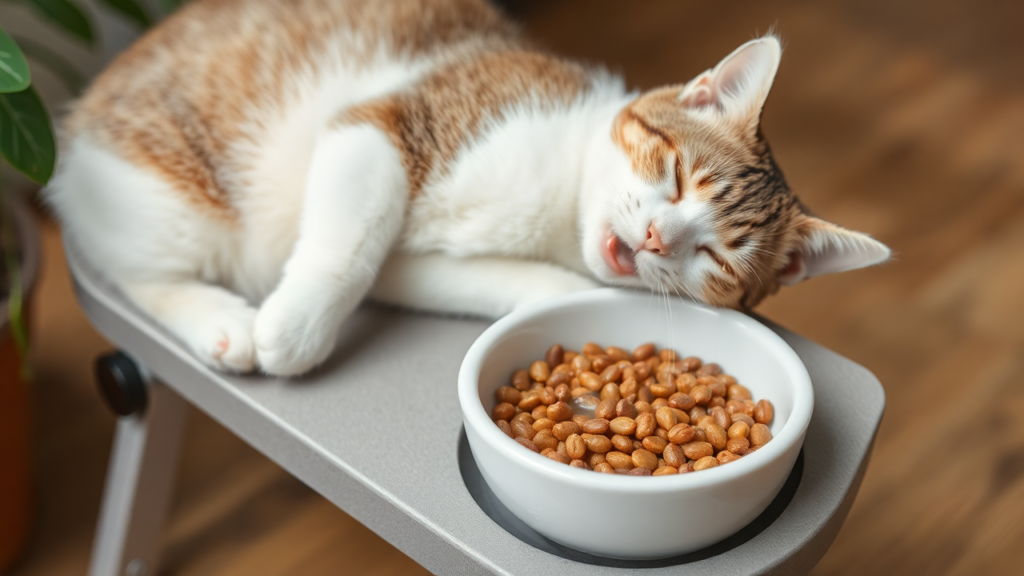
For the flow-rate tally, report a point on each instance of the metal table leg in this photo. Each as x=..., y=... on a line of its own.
x=140, y=478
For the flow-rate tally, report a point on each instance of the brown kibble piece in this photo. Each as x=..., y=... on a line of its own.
x=759, y=435
x=575, y=447
x=638, y=471
x=503, y=411
x=644, y=351
x=595, y=459
x=544, y=439
x=667, y=355
x=559, y=378
x=625, y=408
x=521, y=428
x=590, y=381
x=673, y=455
x=604, y=468
x=716, y=436
x=682, y=401
x=543, y=424
x=596, y=426
x=581, y=364
x=610, y=391
x=665, y=471
x=563, y=430
x=619, y=460
x=623, y=425
x=508, y=394
x=646, y=424
x=741, y=417
x=592, y=349
x=701, y=395
x=521, y=380
x=617, y=354
x=528, y=444
x=739, y=430
x=597, y=443
x=601, y=362
x=738, y=392
x=547, y=396
x=725, y=456
x=506, y=428
x=654, y=444
x=539, y=412
x=663, y=390
x=606, y=410
x=697, y=450
x=559, y=412
x=579, y=464
x=562, y=392
x=710, y=369
x=555, y=355
x=622, y=443
x=737, y=445
x=666, y=418
x=685, y=382
x=611, y=374
x=540, y=371
x=705, y=463
x=764, y=412
x=643, y=458
x=525, y=416
x=557, y=456
x=530, y=400
x=680, y=434
x=721, y=417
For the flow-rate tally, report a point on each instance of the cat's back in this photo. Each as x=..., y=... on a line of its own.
x=219, y=75
x=193, y=144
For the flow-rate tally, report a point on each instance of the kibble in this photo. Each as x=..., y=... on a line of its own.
x=645, y=413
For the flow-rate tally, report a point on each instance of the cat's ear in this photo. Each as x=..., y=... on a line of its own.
x=825, y=248
x=738, y=86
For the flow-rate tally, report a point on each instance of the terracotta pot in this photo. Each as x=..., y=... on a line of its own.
x=15, y=405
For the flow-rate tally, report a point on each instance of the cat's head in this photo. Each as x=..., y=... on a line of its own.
x=686, y=198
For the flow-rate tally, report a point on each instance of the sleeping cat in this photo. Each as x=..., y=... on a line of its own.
x=251, y=169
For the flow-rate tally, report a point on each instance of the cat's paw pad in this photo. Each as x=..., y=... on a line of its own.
x=226, y=343
x=290, y=339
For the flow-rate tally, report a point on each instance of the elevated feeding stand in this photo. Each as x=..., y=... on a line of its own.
x=434, y=507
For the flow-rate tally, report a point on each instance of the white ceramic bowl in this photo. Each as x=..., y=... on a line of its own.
x=624, y=516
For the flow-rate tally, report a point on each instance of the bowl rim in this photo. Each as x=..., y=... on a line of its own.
x=475, y=416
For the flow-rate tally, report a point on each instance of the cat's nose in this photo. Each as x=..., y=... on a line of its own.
x=653, y=242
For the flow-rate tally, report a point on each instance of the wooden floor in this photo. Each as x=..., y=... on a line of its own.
x=905, y=120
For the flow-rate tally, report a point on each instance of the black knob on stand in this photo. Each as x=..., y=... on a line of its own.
x=120, y=383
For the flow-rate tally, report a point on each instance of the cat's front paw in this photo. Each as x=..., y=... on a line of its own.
x=224, y=341
x=290, y=337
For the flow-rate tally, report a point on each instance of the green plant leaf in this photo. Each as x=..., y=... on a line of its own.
x=14, y=74
x=129, y=9
x=168, y=6
x=66, y=15
x=63, y=69
x=26, y=137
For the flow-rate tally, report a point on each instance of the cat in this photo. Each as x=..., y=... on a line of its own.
x=250, y=170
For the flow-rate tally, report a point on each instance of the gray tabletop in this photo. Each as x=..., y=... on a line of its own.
x=395, y=467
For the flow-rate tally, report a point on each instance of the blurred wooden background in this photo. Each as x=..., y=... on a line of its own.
x=901, y=119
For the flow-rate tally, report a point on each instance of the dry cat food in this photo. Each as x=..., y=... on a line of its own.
x=646, y=413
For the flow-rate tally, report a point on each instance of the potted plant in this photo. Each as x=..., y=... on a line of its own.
x=27, y=145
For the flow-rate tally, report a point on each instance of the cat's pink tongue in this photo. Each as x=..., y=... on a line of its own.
x=619, y=257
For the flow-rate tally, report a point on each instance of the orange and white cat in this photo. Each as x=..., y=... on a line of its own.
x=251, y=169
